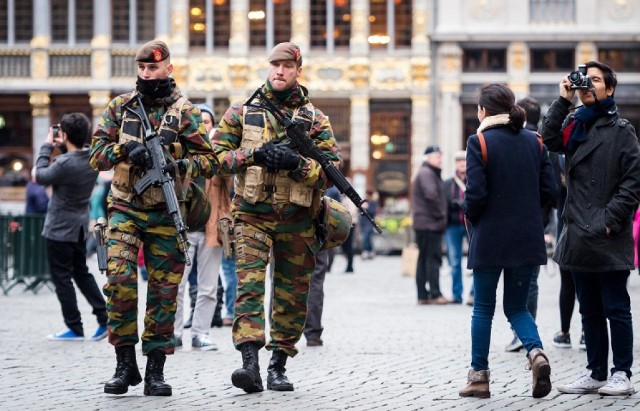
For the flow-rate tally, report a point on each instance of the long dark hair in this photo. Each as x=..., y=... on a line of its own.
x=499, y=99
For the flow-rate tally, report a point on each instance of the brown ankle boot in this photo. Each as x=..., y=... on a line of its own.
x=540, y=373
x=477, y=385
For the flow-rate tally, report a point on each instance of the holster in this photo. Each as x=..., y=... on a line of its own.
x=225, y=230
x=101, y=248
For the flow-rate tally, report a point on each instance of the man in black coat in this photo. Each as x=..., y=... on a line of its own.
x=596, y=243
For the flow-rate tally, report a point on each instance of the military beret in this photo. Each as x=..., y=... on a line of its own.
x=153, y=52
x=432, y=149
x=286, y=51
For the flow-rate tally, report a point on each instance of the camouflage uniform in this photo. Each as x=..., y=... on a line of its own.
x=268, y=218
x=142, y=219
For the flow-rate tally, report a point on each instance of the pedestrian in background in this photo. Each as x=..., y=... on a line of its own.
x=37, y=199
x=456, y=232
x=429, y=215
x=206, y=252
x=596, y=243
x=508, y=176
x=277, y=197
x=66, y=224
x=366, y=228
x=313, y=326
x=135, y=219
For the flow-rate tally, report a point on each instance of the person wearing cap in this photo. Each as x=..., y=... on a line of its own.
x=136, y=219
x=455, y=233
x=277, y=195
x=206, y=253
x=429, y=215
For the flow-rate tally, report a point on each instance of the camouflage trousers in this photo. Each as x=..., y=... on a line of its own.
x=127, y=231
x=293, y=259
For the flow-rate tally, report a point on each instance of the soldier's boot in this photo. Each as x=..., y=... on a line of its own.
x=540, y=373
x=154, y=375
x=127, y=373
x=477, y=385
x=276, y=380
x=248, y=377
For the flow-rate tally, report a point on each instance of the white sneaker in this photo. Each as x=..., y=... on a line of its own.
x=203, y=343
x=618, y=384
x=583, y=385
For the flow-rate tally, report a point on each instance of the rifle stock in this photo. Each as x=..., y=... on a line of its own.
x=155, y=174
x=300, y=141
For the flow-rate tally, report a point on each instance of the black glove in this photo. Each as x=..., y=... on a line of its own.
x=265, y=155
x=171, y=167
x=286, y=158
x=137, y=153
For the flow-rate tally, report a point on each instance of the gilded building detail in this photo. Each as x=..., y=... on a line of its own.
x=99, y=101
x=39, y=64
x=484, y=9
x=359, y=72
x=587, y=52
x=39, y=101
x=420, y=71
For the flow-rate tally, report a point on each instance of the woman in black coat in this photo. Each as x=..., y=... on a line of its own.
x=505, y=189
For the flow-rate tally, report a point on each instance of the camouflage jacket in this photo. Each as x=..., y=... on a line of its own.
x=234, y=160
x=106, y=151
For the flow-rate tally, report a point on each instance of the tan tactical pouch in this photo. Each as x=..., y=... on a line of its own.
x=122, y=180
x=300, y=194
x=253, y=184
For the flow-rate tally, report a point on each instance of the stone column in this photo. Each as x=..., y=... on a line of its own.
x=360, y=133
x=301, y=24
x=40, y=121
x=239, y=40
x=518, y=68
x=586, y=51
x=41, y=40
x=179, y=40
x=101, y=42
x=359, y=43
x=449, y=127
x=420, y=127
x=99, y=101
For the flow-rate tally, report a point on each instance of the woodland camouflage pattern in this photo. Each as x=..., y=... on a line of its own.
x=130, y=226
x=289, y=226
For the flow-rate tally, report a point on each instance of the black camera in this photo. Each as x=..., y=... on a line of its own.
x=579, y=79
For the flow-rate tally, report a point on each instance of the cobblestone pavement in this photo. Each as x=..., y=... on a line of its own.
x=382, y=352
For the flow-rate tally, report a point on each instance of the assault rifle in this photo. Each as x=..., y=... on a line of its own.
x=300, y=141
x=157, y=174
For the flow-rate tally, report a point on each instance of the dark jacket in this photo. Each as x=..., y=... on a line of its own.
x=503, y=199
x=73, y=180
x=428, y=203
x=455, y=201
x=603, y=190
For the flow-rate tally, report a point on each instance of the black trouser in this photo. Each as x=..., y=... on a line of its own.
x=429, y=260
x=567, y=299
x=313, y=326
x=347, y=249
x=68, y=261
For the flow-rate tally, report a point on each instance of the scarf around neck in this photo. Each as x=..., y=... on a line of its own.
x=576, y=132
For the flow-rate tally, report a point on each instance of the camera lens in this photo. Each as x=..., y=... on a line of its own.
x=575, y=76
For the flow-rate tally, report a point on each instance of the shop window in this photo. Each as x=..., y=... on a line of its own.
x=215, y=34
x=269, y=22
x=484, y=60
x=622, y=59
x=544, y=60
x=390, y=24
x=330, y=23
x=140, y=14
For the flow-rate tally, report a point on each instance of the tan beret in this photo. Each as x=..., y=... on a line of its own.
x=153, y=52
x=286, y=51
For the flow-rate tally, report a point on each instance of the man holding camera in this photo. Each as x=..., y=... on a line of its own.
x=66, y=223
x=596, y=243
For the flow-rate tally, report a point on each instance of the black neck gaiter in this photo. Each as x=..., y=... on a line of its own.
x=157, y=88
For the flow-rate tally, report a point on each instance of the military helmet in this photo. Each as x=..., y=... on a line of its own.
x=334, y=224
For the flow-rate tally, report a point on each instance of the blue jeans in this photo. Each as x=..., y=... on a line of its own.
x=231, y=284
x=602, y=297
x=516, y=289
x=454, y=236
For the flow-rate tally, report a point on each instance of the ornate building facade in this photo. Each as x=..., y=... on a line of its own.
x=393, y=75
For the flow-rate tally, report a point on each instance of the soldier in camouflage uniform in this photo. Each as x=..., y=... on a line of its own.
x=143, y=219
x=278, y=193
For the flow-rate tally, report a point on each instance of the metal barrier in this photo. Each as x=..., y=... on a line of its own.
x=23, y=258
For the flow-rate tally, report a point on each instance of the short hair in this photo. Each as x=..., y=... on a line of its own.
x=610, y=79
x=76, y=125
x=531, y=110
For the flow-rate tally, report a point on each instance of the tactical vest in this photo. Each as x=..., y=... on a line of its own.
x=256, y=183
x=126, y=175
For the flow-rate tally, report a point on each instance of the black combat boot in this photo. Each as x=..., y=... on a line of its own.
x=127, y=372
x=248, y=377
x=153, y=377
x=276, y=380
